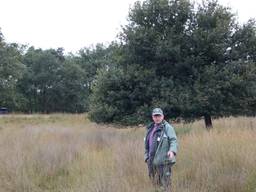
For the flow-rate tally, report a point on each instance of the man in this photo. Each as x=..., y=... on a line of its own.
x=160, y=149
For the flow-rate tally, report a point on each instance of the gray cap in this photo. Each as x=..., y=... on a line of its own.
x=157, y=111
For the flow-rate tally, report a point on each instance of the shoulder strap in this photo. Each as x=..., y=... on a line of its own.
x=164, y=131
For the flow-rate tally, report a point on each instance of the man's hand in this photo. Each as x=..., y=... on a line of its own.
x=170, y=154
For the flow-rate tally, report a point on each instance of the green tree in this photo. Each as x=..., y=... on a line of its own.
x=221, y=83
x=11, y=71
x=193, y=63
x=118, y=98
x=71, y=88
x=39, y=82
x=92, y=59
x=53, y=82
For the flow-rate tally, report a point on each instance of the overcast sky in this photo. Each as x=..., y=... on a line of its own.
x=74, y=24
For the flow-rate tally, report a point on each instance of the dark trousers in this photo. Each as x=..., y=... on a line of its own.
x=160, y=175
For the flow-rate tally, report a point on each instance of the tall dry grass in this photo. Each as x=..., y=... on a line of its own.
x=67, y=153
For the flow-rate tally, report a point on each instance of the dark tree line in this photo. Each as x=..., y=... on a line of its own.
x=45, y=81
x=192, y=61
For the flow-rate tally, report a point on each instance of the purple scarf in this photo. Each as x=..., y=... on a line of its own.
x=151, y=135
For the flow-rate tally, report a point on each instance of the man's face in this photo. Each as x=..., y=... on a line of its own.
x=157, y=118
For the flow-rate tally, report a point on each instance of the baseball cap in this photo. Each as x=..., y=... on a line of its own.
x=157, y=111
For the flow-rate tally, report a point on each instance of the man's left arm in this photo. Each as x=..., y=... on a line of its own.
x=173, y=141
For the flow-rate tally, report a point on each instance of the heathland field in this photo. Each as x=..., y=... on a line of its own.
x=68, y=153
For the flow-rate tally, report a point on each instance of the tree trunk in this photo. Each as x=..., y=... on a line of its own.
x=208, y=121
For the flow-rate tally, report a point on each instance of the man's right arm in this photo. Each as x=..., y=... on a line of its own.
x=146, y=144
x=146, y=156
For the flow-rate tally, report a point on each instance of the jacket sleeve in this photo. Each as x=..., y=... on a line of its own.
x=173, y=139
x=146, y=156
x=146, y=145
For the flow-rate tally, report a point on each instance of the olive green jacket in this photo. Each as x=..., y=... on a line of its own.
x=168, y=142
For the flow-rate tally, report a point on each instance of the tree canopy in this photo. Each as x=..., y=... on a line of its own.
x=191, y=61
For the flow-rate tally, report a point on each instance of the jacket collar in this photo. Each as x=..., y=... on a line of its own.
x=161, y=125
